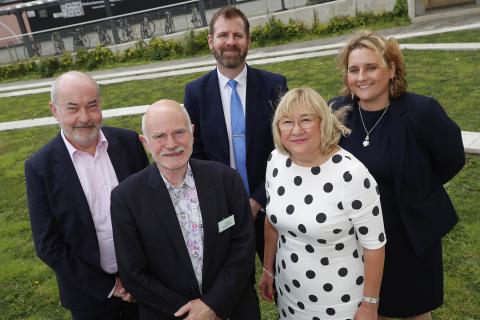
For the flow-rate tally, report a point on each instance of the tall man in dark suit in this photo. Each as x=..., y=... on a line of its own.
x=68, y=188
x=232, y=108
x=182, y=229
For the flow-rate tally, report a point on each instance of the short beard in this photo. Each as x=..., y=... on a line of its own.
x=229, y=63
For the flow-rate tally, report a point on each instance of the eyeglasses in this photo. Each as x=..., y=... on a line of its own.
x=305, y=122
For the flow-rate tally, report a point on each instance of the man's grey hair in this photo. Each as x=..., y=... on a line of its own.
x=184, y=111
x=53, y=89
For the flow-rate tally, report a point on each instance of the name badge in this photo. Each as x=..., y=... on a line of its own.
x=226, y=223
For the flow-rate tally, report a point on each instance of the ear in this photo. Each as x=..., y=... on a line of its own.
x=53, y=109
x=193, y=128
x=393, y=68
x=210, y=41
x=144, y=141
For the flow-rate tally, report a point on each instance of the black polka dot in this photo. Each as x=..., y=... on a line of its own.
x=281, y=291
x=321, y=217
x=288, y=163
x=315, y=170
x=328, y=287
x=284, y=265
x=294, y=257
x=275, y=172
x=381, y=237
x=342, y=272
x=324, y=261
x=279, y=245
x=366, y=183
x=339, y=246
x=296, y=283
x=340, y=205
x=302, y=228
x=269, y=157
x=273, y=218
x=297, y=180
x=308, y=199
x=345, y=298
x=284, y=313
x=359, y=280
x=330, y=311
x=292, y=234
x=290, y=209
x=287, y=288
x=278, y=268
x=327, y=187
x=351, y=231
x=356, y=204
x=376, y=211
x=363, y=230
x=268, y=200
x=313, y=298
x=291, y=310
x=348, y=157
x=347, y=176
x=310, y=249
x=315, y=318
x=283, y=238
x=322, y=241
x=310, y=274
x=336, y=158
x=300, y=305
x=281, y=191
x=376, y=189
x=337, y=231
x=355, y=254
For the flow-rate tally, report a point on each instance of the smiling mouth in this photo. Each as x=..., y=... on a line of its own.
x=172, y=154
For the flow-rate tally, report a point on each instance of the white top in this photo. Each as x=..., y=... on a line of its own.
x=226, y=93
x=98, y=178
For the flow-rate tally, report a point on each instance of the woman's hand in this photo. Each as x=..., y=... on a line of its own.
x=266, y=286
x=367, y=311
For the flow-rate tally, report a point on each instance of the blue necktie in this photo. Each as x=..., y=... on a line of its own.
x=237, y=119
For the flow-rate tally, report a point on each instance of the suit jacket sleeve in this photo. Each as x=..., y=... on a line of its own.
x=442, y=139
x=233, y=278
x=132, y=261
x=192, y=109
x=52, y=249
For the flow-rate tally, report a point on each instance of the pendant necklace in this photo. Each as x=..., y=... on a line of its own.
x=366, y=141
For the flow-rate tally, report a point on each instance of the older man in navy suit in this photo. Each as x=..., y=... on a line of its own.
x=68, y=188
x=232, y=108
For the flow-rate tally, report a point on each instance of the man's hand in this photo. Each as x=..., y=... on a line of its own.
x=196, y=310
x=120, y=292
x=255, y=208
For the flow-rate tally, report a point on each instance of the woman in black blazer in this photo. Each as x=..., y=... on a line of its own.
x=412, y=148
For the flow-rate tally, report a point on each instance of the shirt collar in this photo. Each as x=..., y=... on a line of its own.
x=102, y=141
x=188, y=181
x=241, y=78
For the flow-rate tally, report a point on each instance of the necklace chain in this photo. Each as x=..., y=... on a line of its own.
x=366, y=141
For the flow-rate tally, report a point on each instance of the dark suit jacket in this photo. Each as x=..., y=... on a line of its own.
x=204, y=105
x=153, y=260
x=62, y=224
x=427, y=151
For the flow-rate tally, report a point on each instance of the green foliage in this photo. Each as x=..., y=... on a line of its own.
x=66, y=61
x=47, y=66
x=81, y=59
x=401, y=8
x=100, y=55
x=273, y=30
x=159, y=49
x=195, y=42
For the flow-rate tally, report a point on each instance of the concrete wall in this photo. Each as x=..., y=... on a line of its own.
x=327, y=11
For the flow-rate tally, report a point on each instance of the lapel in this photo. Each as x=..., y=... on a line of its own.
x=398, y=134
x=162, y=205
x=66, y=174
x=214, y=110
x=209, y=210
x=252, y=110
x=117, y=155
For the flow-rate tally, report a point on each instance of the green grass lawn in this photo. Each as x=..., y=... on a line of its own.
x=447, y=37
x=28, y=288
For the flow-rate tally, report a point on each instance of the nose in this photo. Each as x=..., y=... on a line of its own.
x=361, y=74
x=230, y=40
x=297, y=129
x=171, y=142
x=83, y=115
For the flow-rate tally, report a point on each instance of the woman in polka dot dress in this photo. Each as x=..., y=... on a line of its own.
x=324, y=235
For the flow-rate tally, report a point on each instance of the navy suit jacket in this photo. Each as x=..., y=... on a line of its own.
x=62, y=225
x=426, y=152
x=204, y=105
x=152, y=257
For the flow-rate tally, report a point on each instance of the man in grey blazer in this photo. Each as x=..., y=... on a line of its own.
x=182, y=229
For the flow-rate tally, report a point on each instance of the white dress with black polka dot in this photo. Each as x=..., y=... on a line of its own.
x=318, y=213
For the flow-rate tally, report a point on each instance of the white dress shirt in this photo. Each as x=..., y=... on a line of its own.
x=98, y=178
x=225, y=93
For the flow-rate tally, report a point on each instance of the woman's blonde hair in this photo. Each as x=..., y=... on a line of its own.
x=305, y=98
x=389, y=53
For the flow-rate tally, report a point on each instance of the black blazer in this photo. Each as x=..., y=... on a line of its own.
x=427, y=151
x=153, y=260
x=204, y=105
x=62, y=225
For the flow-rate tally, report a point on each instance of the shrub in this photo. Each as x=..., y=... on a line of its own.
x=48, y=66
x=81, y=59
x=159, y=49
x=195, y=42
x=66, y=61
x=401, y=8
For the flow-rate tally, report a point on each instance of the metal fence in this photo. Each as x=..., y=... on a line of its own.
x=122, y=31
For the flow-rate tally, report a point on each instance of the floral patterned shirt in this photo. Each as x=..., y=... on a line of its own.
x=185, y=201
